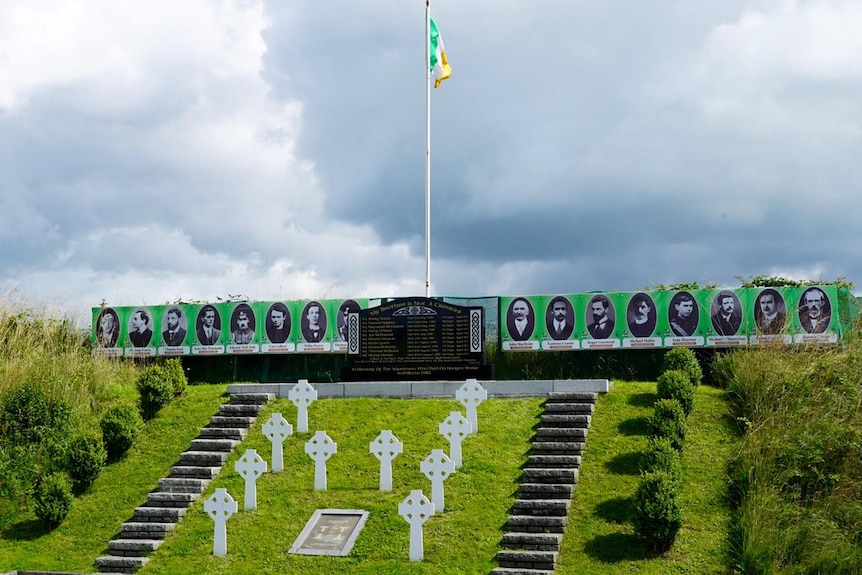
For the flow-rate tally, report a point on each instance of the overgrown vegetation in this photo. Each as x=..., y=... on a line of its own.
x=797, y=480
x=52, y=394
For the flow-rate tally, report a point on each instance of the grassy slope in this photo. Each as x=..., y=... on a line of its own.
x=95, y=517
x=463, y=540
x=599, y=537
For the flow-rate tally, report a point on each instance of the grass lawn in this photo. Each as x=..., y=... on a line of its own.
x=599, y=537
x=463, y=539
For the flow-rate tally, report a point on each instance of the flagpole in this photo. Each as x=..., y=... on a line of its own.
x=427, y=148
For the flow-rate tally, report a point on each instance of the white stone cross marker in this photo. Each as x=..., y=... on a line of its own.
x=416, y=509
x=471, y=394
x=220, y=507
x=277, y=429
x=386, y=448
x=455, y=428
x=250, y=466
x=320, y=448
x=437, y=467
x=302, y=394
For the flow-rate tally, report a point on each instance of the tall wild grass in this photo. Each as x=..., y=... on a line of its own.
x=797, y=480
x=48, y=357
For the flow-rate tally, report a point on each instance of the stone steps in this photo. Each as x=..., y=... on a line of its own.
x=188, y=479
x=538, y=517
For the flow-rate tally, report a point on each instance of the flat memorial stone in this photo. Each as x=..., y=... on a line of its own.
x=330, y=532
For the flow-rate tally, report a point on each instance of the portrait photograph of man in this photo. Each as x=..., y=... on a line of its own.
x=140, y=328
x=277, y=323
x=770, y=312
x=601, y=317
x=208, y=325
x=683, y=315
x=313, y=322
x=107, y=328
x=242, y=324
x=520, y=320
x=726, y=313
x=560, y=318
x=815, y=310
x=641, y=315
x=174, y=327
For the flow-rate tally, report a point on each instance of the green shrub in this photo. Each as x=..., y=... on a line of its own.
x=120, y=426
x=660, y=455
x=29, y=414
x=53, y=499
x=668, y=420
x=85, y=457
x=657, y=516
x=676, y=384
x=177, y=376
x=156, y=389
x=683, y=358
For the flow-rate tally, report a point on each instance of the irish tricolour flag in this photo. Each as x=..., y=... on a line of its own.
x=440, y=68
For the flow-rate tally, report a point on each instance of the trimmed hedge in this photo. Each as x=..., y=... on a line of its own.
x=120, y=426
x=660, y=455
x=668, y=420
x=53, y=499
x=676, y=384
x=156, y=388
x=85, y=457
x=657, y=515
x=684, y=359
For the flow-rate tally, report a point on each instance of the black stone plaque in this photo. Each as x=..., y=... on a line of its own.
x=416, y=339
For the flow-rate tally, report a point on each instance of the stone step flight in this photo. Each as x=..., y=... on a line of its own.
x=145, y=531
x=537, y=520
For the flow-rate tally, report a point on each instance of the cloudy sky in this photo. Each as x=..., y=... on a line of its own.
x=157, y=151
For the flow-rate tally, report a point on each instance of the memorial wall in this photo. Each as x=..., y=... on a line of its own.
x=558, y=322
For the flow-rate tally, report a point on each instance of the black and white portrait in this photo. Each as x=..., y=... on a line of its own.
x=242, y=324
x=601, y=317
x=682, y=314
x=560, y=318
x=277, y=323
x=770, y=312
x=208, y=325
x=641, y=315
x=815, y=310
x=313, y=322
x=107, y=328
x=726, y=313
x=520, y=319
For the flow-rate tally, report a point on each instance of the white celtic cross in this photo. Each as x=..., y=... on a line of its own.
x=250, y=466
x=416, y=509
x=471, y=394
x=320, y=448
x=386, y=447
x=455, y=428
x=302, y=394
x=220, y=507
x=277, y=429
x=437, y=467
